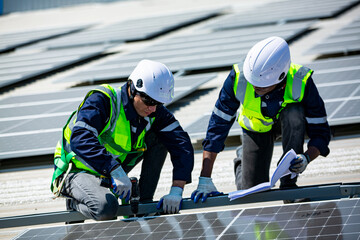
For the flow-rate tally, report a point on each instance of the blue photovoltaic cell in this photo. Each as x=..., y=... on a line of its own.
x=338, y=219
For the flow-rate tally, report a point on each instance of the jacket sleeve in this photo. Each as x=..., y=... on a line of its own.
x=177, y=142
x=317, y=126
x=222, y=117
x=94, y=113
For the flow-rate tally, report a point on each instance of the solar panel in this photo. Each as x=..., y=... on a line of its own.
x=338, y=82
x=345, y=41
x=339, y=219
x=345, y=112
x=10, y=41
x=282, y=12
x=198, y=128
x=130, y=30
x=31, y=125
x=196, y=51
x=20, y=66
x=35, y=143
x=334, y=63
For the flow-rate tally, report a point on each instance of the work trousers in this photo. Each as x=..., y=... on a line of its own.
x=252, y=164
x=90, y=195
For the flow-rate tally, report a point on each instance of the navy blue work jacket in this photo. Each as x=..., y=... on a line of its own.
x=96, y=112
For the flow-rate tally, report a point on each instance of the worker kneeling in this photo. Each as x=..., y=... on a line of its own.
x=276, y=97
x=113, y=130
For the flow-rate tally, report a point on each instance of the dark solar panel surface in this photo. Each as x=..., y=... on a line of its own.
x=346, y=40
x=196, y=51
x=338, y=219
x=130, y=30
x=10, y=41
x=338, y=82
x=37, y=109
x=34, y=143
x=197, y=129
x=20, y=66
x=281, y=12
x=32, y=124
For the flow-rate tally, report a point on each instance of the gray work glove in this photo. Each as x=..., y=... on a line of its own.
x=172, y=202
x=120, y=183
x=299, y=164
x=205, y=189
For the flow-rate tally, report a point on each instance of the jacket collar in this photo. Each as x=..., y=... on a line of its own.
x=129, y=109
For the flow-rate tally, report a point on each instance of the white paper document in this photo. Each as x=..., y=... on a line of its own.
x=281, y=170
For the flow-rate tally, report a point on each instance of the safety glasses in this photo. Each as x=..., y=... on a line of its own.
x=148, y=101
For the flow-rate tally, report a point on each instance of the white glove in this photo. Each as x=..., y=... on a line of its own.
x=171, y=202
x=299, y=163
x=205, y=189
x=121, y=183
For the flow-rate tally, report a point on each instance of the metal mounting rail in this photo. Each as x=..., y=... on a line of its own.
x=315, y=193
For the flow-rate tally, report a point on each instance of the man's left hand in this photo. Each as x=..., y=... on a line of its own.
x=171, y=203
x=299, y=164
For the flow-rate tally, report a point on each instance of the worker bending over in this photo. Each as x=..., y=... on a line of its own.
x=114, y=129
x=276, y=97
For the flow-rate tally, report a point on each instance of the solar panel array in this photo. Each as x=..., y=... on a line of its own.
x=130, y=30
x=338, y=82
x=338, y=219
x=346, y=40
x=21, y=66
x=196, y=51
x=10, y=41
x=31, y=125
x=34, y=61
x=281, y=12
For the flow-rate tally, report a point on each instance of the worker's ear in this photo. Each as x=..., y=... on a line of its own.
x=132, y=90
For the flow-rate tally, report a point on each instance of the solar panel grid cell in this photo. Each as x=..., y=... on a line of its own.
x=321, y=220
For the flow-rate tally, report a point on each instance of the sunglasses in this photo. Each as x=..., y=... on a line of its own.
x=148, y=101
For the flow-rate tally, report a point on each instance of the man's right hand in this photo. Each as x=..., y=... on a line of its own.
x=121, y=183
x=205, y=189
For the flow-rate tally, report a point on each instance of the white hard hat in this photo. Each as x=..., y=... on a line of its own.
x=267, y=62
x=154, y=79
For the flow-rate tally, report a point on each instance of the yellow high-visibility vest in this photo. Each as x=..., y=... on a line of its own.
x=250, y=117
x=115, y=137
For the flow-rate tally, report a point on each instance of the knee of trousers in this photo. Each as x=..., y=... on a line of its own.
x=106, y=209
x=293, y=116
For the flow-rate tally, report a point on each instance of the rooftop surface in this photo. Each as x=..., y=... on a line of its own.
x=26, y=190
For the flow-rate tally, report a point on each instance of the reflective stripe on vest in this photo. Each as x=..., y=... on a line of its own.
x=250, y=116
x=240, y=84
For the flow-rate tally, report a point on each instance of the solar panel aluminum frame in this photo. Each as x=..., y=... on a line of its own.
x=315, y=192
